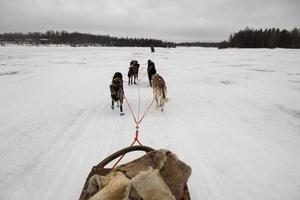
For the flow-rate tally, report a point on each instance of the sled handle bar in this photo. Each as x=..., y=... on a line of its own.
x=123, y=152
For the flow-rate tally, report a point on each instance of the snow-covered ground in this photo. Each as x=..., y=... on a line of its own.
x=233, y=116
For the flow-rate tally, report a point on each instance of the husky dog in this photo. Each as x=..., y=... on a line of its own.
x=130, y=75
x=133, y=71
x=151, y=71
x=117, y=92
x=159, y=91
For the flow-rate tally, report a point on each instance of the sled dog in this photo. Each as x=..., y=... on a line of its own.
x=117, y=92
x=159, y=91
x=133, y=72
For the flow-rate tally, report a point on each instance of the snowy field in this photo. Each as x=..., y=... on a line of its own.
x=233, y=116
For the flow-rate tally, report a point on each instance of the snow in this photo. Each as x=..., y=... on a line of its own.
x=233, y=115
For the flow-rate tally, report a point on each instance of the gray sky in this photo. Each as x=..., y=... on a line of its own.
x=172, y=20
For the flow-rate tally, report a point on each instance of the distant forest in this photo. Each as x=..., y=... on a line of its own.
x=77, y=39
x=268, y=38
x=199, y=44
x=247, y=38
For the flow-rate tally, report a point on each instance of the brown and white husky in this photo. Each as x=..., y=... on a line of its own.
x=159, y=91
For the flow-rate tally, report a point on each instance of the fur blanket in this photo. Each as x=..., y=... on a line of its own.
x=148, y=185
x=157, y=175
x=112, y=186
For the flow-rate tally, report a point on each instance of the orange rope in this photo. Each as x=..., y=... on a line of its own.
x=130, y=109
x=137, y=122
x=139, y=106
x=136, y=139
x=146, y=111
x=134, y=118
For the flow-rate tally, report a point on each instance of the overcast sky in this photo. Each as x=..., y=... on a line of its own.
x=172, y=20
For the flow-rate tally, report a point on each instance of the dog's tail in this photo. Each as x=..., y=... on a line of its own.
x=164, y=93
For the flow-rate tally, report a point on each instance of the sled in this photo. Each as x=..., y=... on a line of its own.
x=100, y=169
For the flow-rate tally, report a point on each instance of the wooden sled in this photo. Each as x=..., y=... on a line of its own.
x=101, y=170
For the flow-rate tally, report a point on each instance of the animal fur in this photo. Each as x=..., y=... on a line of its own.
x=148, y=185
x=117, y=92
x=167, y=174
x=151, y=71
x=133, y=72
x=130, y=75
x=174, y=172
x=114, y=187
x=154, y=159
x=94, y=185
x=159, y=91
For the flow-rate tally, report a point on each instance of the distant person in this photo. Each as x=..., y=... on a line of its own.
x=151, y=71
x=152, y=49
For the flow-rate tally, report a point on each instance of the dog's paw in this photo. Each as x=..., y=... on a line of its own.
x=112, y=107
x=122, y=113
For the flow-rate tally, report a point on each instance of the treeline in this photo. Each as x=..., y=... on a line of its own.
x=77, y=39
x=199, y=44
x=247, y=38
x=268, y=38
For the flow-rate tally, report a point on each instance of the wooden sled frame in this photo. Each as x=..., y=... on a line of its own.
x=101, y=170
